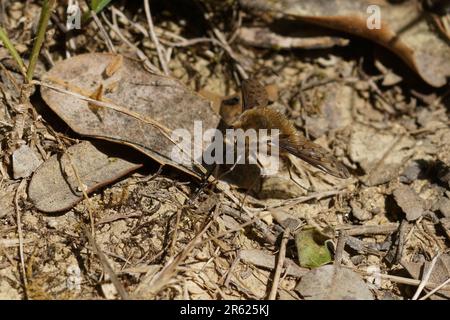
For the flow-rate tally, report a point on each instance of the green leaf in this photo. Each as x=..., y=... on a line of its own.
x=98, y=5
x=312, y=249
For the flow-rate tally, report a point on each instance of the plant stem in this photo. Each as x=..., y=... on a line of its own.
x=43, y=23
x=12, y=50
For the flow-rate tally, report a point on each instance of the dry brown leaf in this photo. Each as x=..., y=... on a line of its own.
x=141, y=112
x=54, y=186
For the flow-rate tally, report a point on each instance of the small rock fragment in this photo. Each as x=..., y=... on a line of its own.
x=333, y=283
x=358, y=259
x=380, y=155
x=358, y=212
x=74, y=277
x=445, y=223
x=411, y=173
x=285, y=219
x=444, y=207
x=25, y=161
x=411, y=204
x=375, y=278
x=109, y=291
x=262, y=259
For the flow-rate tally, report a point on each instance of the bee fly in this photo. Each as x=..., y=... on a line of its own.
x=256, y=115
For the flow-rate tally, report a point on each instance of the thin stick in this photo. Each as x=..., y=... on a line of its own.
x=159, y=49
x=222, y=39
x=239, y=228
x=294, y=201
x=175, y=231
x=19, y=231
x=231, y=269
x=139, y=52
x=439, y=287
x=103, y=32
x=159, y=280
x=426, y=277
x=403, y=280
x=106, y=266
x=82, y=187
x=401, y=240
x=369, y=230
x=280, y=263
x=340, y=246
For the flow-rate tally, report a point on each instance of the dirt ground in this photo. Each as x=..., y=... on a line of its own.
x=162, y=234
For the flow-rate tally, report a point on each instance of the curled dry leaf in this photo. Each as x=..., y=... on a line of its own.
x=404, y=28
x=139, y=109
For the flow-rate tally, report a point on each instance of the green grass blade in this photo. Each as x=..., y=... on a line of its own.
x=12, y=50
x=42, y=27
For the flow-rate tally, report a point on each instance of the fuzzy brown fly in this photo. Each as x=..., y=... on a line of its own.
x=256, y=115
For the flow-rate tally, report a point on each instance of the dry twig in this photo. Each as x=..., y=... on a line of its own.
x=20, y=233
x=159, y=49
x=280, y=263
x=439, y=287
x=103, y=32
x=426, y=277
x=105, y=264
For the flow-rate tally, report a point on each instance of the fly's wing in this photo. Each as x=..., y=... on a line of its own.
x=315, y=155
x=254, y=95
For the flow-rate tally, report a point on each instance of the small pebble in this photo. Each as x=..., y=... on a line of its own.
x=410, y=202
x=358, y=259
x=52, y=223
x=411, y=173
x=25, y=162
x=358, y=212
